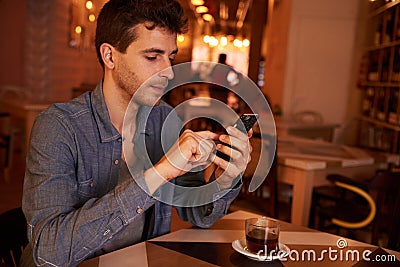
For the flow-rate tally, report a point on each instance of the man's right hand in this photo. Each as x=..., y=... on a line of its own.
x=191, y=150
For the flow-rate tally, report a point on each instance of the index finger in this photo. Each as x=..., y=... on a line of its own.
x=208, y=135
x=250, y=133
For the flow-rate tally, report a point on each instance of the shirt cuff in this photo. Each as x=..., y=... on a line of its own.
x=133, y=199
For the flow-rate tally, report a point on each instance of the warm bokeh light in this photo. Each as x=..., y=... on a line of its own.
x=78, y=29
x=223, y=41
x=207, y=17
x=238, y=43
x=201, y=9
x=206, y=39
x=213, y=41
x=197, y=2
x=89, y=5
x=181, y=38
x=92, y=17
x=246, y=43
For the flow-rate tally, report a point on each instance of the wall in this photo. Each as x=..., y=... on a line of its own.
x=314, y=64
x=12, y=28
x=320, y=54
x=39, y=61
x=70, y=66
x=275, y=46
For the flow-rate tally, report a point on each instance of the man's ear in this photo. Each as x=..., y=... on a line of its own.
x=106, y=51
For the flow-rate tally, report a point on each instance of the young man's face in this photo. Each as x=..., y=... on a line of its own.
x=150, y=55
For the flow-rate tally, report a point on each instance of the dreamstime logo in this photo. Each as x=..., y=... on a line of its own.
x=341, y=243
x=194, y=74
x=341, y=253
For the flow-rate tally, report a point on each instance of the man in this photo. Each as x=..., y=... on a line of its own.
x=79, y=198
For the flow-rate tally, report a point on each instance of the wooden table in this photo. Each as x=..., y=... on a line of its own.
x=323, y=131
x=213, y=247
x=305, y=163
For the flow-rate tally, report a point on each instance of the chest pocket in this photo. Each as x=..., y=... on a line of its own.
x=94, y=184
x=86, y=189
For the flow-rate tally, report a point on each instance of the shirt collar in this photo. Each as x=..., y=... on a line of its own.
x=107, y=130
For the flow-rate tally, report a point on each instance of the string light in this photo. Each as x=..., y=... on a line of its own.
x=92, y=17
x=89, y=5
x=78, y=29
x=201, y=9
x=181, y=38
x=213, y=41
x=197, y=2
x=238, y=43
x=207, y=17
x=223, y=41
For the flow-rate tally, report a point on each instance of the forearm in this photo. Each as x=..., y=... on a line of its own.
x=208, y=202
x=64, y=235
x=153, y=179
x=206, y=215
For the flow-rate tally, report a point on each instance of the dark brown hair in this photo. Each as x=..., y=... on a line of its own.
x=117, y=19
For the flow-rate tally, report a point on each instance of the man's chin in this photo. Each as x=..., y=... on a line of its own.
x=150, y=103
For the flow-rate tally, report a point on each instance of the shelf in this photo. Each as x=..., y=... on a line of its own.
x=382, y=46
x=380, y=79
x=382, y=9
x=381, y=123
x=380, y=84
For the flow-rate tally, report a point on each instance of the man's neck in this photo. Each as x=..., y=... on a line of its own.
x=117, y=102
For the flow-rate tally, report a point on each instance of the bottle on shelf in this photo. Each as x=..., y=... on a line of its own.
x=379, y=78
x=381, y=104
x=373, y=74
x=389, y=25
x=385, y=66
x=396, y=65
x=397, y=29
x=368, y=102
x=393, y=109
x=378, y=34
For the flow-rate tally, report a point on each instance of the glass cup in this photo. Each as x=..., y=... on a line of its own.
x=262, y=236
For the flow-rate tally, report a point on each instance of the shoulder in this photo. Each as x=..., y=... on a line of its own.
x=62, y=113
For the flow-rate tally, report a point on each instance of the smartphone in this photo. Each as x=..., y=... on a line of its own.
x=244, y=124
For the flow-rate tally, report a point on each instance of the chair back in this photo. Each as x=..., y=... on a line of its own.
x=344, y=206
x=5, y=143
x=385, y=187
x=13, y=236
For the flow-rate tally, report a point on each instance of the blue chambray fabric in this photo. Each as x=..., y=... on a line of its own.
x=74, y=200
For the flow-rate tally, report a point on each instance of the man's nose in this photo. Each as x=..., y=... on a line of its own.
x=168, y=72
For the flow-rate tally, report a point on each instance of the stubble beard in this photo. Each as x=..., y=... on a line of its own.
x=130, y=84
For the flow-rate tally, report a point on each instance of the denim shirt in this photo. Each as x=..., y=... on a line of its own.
x=74, y=200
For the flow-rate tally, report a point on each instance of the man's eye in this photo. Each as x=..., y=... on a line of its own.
x=151, y=58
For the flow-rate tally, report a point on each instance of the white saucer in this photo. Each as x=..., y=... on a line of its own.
x=240, y=246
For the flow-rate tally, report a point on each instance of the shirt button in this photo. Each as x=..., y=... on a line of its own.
x=119, y=140
x=91, y=184
x=139, y=210
x=116, y=162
